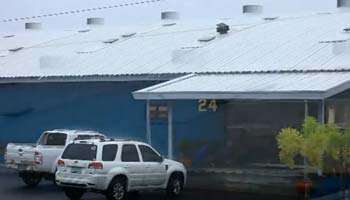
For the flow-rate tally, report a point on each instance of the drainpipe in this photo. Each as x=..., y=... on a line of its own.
x=170, y=131
x=148, y=123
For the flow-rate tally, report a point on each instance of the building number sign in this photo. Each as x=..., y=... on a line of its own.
x=205, y=105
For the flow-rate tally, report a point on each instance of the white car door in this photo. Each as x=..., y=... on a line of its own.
x=156, y=169
x=131, y=161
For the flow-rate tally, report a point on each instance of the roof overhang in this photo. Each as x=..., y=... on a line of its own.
x=265, y=86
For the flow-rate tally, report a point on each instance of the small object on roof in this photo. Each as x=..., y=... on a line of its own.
x=270, y=18
x=169, y=24
x=110, y=41
x=170, y=15
x=95, y=21
x=15, y=49
x=343, y=3
x=32, y=25
x=347, y=29
x=126, y=35
x=8, y=36
x=222, y=28
x=206, y=39
x=253, y=9
x=335, y=40
x=84, y=30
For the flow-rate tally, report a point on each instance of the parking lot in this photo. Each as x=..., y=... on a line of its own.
x=12, y=188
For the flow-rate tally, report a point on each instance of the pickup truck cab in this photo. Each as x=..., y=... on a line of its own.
x=37, y=161
x=116, y=167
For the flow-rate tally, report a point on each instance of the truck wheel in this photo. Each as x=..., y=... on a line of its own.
x=74, y=193
x=31, y=180
x=117, y=190
x=175, y=186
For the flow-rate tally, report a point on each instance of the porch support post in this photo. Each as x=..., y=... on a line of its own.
x=170, y=131
x=306, y=114
x=148, y=123
x=321, y=112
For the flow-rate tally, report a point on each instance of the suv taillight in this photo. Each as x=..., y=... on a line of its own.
x=38, y=158
x=95, y=165
x=60, y=163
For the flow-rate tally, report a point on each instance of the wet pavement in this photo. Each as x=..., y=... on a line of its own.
x=12, y=188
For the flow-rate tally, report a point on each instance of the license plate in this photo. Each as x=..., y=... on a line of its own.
x=76, y=170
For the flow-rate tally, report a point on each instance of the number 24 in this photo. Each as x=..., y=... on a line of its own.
x=204, y=105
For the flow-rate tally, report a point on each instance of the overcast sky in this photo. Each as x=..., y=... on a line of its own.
x=145, y=13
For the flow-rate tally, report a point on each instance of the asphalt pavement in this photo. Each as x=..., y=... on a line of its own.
x=12, y=188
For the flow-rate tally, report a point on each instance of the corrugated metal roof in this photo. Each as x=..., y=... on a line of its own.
x=316, y=85
x=252, y=45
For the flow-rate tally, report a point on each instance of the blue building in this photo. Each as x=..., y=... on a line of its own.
x=212, y=99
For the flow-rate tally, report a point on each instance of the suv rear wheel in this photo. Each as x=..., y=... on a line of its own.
x=175, y=186
x=31, y=179
x=74, y=193
x=117, y=190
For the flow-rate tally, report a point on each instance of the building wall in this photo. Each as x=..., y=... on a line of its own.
x=26, y=110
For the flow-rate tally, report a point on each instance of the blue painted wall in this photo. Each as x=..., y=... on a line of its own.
x=26, y=110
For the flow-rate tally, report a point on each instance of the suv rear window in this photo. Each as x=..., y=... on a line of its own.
x=53, y=139
x=80, y=152
x=109, y=152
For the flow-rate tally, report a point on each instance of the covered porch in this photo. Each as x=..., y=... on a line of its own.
x=255, y=107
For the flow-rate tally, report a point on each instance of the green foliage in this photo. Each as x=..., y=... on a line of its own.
x=289, y=142
x=309, y=126
x=315, y=143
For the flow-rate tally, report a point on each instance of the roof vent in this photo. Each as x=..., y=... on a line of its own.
x=340, y=40
x=110, y=41
x=83, y=30
x=170, y=15
x=253, y=9
x=169, y=24
x=32, y=25
x=222, y=28
x=8, y=36
x=95, y=21
x=343, y=3
x=126, y=35
x=347, y=30
x=15, y=49
x=271, y=18
x=206, y=39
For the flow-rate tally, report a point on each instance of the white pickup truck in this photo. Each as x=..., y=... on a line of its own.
x=37, y=161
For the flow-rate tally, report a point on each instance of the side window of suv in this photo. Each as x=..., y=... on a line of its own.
x=129, y=153
x=148, y=155
x=109, y=152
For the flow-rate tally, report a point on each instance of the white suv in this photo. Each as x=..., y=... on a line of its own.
x=115, y=167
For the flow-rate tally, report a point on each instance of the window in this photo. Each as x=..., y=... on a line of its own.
x=130, y=154
x=158, y=112
x=53, y=139
x=109, y=152
x=80, y=152
x=148, y=155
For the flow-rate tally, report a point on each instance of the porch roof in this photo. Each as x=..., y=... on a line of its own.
x=313, y=85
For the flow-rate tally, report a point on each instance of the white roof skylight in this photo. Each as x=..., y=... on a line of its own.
x=110, y=41
x=206, y=39
x=15, y=49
